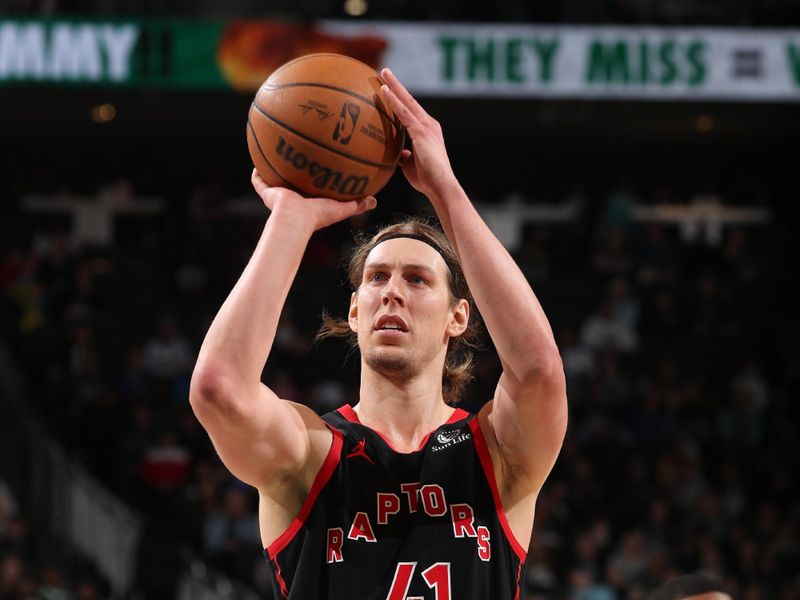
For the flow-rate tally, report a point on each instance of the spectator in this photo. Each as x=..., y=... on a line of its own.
x=628, y=563
x=232, y=539
x=691, y=587
x=603, y=331
x=583, y=586
x=167, y=356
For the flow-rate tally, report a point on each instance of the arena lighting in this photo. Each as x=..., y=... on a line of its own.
x=704, y=124
x=355, y=8
x=103, y=113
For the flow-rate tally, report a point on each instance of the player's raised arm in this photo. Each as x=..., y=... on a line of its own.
x=256, y=434
x=529, y=411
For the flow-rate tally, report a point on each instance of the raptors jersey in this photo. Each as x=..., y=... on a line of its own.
x=384, y=525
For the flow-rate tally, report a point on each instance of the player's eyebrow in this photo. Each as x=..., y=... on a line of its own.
x=404, y=266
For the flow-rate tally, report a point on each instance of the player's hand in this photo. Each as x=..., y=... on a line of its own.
x=314, y=212
x=427, y=167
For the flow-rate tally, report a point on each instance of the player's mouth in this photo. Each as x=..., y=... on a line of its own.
x=391, y=324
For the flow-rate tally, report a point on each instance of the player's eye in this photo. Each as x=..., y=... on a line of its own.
x=416, y=279
x=377, y=277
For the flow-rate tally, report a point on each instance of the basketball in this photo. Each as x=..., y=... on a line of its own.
x=318, y=126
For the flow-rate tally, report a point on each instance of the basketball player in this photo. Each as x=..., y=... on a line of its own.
x=402, y=496
x=691, y=587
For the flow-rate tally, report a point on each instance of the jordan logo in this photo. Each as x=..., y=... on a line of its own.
x=359, y=451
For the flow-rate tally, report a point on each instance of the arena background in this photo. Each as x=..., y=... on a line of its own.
x=658, y=234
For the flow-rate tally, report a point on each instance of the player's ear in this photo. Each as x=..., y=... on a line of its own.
x=459, y=318
x=352, y=314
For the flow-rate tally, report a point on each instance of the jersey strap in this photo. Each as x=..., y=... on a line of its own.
x=322, y=478
x=486, y=462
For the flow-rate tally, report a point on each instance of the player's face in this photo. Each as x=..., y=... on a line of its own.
x=402, y=310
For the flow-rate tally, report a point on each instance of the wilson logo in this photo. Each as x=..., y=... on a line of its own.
x=324, y=178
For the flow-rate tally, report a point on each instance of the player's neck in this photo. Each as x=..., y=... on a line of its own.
x=403, y=411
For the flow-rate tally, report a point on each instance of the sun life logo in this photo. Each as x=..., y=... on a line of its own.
x=449, y=438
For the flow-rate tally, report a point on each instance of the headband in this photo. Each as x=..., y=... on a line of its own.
x=413, y=236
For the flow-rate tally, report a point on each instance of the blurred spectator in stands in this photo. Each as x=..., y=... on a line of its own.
x=86, y=298
x=131, y=446
x=662, y=320
x=326, y=396
x=712, y=305
x=191, y=276
x=628, y=562
x=646, y=421
x=55, y=273
x=604, y=331
x=656, y=257
x=231, y=536
x=85, y=368
x=742, y=418
x=53, y=586
x=289, y=338
x=532, y=256
x=168, y=358
x=618, y=210
x=284, y=386
x=540, y=576
x=613, y=386
x=584, y=586
x=15, y=540
x=134, y=382
x=14, y=584
x=625, y=305
x=737, y=262
x=611, y=256
x=165, y=464
x=691, y=587
x=87, y=590
x=578, y=359
x=8, y=507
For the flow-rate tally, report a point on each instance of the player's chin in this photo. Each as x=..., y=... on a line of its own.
x=386, y=358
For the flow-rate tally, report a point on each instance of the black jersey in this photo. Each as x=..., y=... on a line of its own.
x=385, y=525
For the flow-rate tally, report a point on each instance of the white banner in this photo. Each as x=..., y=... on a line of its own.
x=588, y=62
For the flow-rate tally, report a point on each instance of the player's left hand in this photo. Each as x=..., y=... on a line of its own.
x=427, y=166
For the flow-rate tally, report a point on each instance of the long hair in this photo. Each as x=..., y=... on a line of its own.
x=459, y=361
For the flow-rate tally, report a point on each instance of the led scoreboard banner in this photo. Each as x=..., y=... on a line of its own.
x=655, y=63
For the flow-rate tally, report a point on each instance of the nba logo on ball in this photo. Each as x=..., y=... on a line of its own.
x=347, y=123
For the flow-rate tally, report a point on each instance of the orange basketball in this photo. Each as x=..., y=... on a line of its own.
x=318, y=126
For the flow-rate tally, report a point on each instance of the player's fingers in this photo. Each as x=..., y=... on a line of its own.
x=400, y=109
x=367, y=203
x=406, y=157
x=355, y=207
x=259, y=184
x=403, y=94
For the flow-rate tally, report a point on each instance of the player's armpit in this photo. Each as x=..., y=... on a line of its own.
x=257, y=435
x=529, y=421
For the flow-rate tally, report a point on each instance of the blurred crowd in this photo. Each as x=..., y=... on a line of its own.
x=681, y=356
x=31, y=569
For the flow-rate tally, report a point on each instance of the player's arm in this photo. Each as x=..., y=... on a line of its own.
x=257, y=435
x=528, y=415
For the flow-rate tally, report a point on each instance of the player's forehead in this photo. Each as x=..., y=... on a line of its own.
x=406, y=253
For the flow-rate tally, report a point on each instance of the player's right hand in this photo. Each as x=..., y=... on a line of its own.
x=316, y=212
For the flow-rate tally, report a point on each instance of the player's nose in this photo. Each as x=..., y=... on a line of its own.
x=392, y=293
